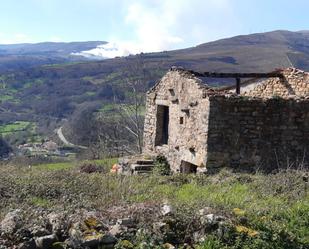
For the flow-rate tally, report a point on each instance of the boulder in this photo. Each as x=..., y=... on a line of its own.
x=108, y=239
x=98, y=239
x=168, y=246
x=166, y=209
x=46, y=242
x=128, y=222
x=204, y=211
x=92, y=240
x=160, y=226
x=89, y=233
x=199, y=236
x=116, y=230
x=27, y=245
x=38, y=231
x=11, y=222
x=211, y=219
x=57, y=222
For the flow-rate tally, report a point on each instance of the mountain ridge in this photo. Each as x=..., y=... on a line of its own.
x=26, y=55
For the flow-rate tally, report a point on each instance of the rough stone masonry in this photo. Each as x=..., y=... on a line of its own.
x=199, y=129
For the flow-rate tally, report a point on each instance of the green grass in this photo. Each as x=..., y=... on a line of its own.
x=61, y=65
x=5, y=97
x=40, y=202
x=107, y=163
x=107, y=108
x=11, y=91
x=113, y=76
x=90, y=93
x=16, y=126
x=55, y=166
x=20, y=132
x=277, y=213
x=35, y=82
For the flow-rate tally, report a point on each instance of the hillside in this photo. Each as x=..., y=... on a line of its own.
x=26, y=55
x=47, y=94
x=250, y=53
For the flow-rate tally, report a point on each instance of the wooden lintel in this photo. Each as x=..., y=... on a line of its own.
x=238, y=75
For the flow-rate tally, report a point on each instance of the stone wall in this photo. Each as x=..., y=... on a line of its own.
x=185, y=96
x=256, y=133
x=294, y=83
x=213, y=129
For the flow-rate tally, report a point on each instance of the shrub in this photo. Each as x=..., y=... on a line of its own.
x=91, y=168
x=161, y=166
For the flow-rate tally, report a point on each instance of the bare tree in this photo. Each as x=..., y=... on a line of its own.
x=132, y=116
x=132, y=110
x=119, y=129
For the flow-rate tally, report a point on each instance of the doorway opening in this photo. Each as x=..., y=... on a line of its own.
x=188, y=168
x=162, y=131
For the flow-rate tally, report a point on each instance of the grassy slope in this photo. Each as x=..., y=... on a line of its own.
x=106, y=163
x=276, y=207
x=14, y=127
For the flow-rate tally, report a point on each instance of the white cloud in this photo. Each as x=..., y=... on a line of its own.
x=109, y=50
x=150, y=25
x=159, y=25
x=153, y=27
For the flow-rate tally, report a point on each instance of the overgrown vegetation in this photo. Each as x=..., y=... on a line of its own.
x=14, y=127
x=20, y=132
x=265, y=211
x=161, y=166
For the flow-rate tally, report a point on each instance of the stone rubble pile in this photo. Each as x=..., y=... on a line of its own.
x=91, y=229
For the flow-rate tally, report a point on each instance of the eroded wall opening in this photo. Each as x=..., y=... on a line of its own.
x=162, y=131
x=188, y=168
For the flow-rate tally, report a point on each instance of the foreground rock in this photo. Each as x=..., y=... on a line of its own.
x=11, y=222
x=46, y=241
x=121, y=227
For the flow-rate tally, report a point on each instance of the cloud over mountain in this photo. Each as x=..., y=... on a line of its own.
x=164, y=25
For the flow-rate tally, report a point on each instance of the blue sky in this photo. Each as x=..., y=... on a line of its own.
x=149, y=25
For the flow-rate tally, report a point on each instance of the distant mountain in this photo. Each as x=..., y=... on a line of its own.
x=255, y=52
x=21, y=56
x=247, y=53
x=53, y=49
x=260, y=52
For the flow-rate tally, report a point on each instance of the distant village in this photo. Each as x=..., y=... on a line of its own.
x=46, y=149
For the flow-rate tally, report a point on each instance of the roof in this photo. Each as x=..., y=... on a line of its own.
x=251, y=78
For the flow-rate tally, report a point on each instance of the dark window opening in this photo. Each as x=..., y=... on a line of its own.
x=181, y=120
x=172, y=92
x=162, y=125
x=192, y=150
x=187, y=168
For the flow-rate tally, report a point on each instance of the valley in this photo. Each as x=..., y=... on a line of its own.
x=49, y=95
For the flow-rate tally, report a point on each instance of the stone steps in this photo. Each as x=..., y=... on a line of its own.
x=142, y=167
x=135, y=165
x=144, y=161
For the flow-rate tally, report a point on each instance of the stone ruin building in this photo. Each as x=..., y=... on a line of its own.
x=262, y=123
